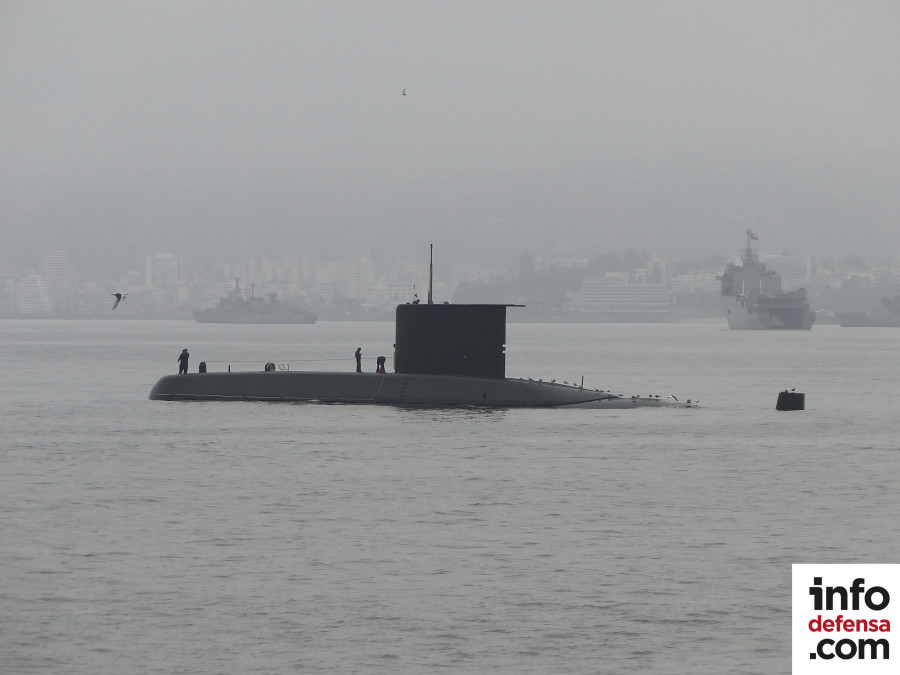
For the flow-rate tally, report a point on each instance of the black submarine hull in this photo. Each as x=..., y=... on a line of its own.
x=387, y=389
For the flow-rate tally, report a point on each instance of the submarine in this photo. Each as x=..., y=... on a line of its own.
x=451, y=355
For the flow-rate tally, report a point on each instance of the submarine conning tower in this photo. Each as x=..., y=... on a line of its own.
x=450, y=339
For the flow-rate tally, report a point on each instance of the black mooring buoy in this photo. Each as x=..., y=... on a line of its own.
x=791, y=400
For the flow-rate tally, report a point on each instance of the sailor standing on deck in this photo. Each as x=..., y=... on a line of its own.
x=183, y=362
x=358, y=359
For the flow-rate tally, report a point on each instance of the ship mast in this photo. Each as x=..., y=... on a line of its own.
x=430, y=271
x=748, y=252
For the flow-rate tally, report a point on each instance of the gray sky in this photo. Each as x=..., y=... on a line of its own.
x=224, y=128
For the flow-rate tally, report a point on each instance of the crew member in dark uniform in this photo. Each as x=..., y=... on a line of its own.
x=183, y=362
x=358, y=359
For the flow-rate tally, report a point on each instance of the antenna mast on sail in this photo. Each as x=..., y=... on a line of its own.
x=430, y=271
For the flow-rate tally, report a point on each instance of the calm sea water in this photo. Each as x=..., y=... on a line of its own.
x=139, y=536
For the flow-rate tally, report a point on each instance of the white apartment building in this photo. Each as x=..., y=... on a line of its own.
x=31, y=295
x=603, y=294
x=685, y=284
x=162, y=271
x=54, y=268
x=352, y=280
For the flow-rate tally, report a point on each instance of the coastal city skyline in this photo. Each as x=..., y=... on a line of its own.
x=165, y=284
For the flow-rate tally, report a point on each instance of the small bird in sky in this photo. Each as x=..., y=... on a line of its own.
x=119, y=298
x=404, y=92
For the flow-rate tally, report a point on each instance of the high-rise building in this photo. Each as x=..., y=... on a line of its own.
x=363, y=280
x=162, y=272
x=54, y=268
x=31, y=295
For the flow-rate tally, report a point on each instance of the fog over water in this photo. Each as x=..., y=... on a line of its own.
x=218, y=130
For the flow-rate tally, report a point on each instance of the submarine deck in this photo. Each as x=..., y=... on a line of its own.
x=387, y=389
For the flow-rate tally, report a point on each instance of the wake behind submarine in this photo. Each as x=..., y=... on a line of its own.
x=445, y=355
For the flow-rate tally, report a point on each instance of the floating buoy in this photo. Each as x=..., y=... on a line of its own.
x=791, y=400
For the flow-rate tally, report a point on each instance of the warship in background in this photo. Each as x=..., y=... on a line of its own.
x=753, y=300
x=235, y=308
x=886, y=316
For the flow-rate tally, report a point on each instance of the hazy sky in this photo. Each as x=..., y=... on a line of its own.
x=224, y=128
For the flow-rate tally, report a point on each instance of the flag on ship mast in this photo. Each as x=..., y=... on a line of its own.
x=752, y=236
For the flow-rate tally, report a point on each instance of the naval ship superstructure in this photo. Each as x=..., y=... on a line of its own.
x=752, y=298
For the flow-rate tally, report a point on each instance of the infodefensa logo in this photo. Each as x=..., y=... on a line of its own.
x=842, y=618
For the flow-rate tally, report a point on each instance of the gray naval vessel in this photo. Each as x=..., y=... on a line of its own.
x=885, y=316
x=752, y=298
x=235, y=308
x=445, y=355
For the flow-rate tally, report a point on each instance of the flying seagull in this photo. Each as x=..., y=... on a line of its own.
x=119, y=298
